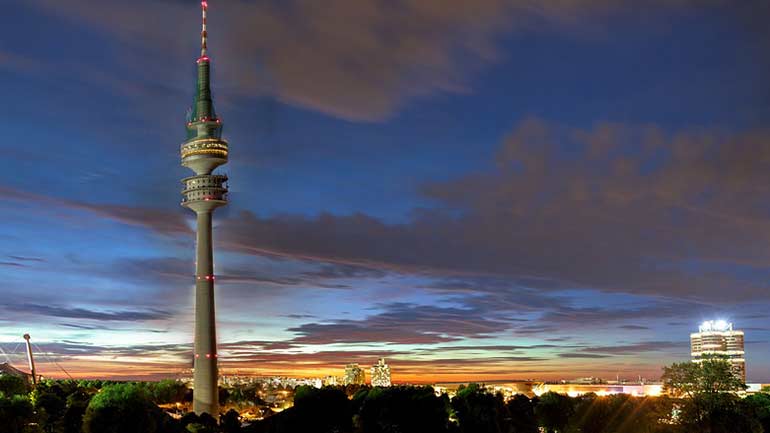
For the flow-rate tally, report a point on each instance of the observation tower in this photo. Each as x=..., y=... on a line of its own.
x=202, y=152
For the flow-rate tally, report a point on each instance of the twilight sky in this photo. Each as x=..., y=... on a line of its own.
x=474, y=189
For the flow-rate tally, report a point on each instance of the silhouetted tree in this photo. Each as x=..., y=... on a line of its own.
x=50, y=403
x=760, y=407
x=12, y=385
x=77, y=403
x=325, y=410
x=230, y=422
x=521, y=411
x=400, y=409
x=16, y=413
x=479, y=411
x=553, y=412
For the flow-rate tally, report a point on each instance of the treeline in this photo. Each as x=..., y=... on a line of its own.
x=133, y=407
x=108, y=407
x=474, y=410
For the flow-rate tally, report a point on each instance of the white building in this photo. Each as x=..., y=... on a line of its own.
x=381, y=373
x=718, y=338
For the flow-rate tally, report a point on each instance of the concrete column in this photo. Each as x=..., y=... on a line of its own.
x=206, y=393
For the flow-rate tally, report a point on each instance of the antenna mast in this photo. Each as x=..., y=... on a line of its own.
x=204, y=34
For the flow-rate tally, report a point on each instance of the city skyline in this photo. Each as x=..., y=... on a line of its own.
x=499, y=191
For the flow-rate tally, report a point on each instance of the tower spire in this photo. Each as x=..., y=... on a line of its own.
x=204, y=33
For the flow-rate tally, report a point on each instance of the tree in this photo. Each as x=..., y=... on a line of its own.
x=124, y=408
x=760, y=404
x=718, y=413
x=50, y=401
x=167, y=391
x=230, y=422
x=16, y=414
x=400, y=409
x=11, y=385
x=553, y=411
x=77, y=403
x=713, y=374
x=325, y=410
x=710, y=403
x=522, y=413
x=479, y=411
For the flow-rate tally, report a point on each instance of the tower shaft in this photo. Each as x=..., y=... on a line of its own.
x=206, y=394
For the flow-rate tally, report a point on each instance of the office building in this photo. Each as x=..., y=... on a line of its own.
x=381, y=373
x=354, y=375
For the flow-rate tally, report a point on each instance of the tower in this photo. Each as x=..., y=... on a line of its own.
x=202, y=152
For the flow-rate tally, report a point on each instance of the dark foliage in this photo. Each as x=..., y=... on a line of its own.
x=400, y=409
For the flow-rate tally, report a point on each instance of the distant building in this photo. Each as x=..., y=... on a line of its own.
x=331, y=381
x=717, y=337
x=381, y=373
x=354, y=375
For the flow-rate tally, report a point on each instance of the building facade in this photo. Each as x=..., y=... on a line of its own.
x=718, y=338
x=202, y=152
x=381, y=373
x=354, y=375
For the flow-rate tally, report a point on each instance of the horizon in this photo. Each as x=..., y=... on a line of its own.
x=494, y=190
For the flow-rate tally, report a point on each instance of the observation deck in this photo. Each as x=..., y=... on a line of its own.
x=204, y=193
x=204, y=152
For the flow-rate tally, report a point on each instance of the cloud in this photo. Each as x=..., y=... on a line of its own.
x=82, y=313
x=634, y=209
x=27, y=259
x=637, y=348
x=402, y=323
x=583, y=355
x=356, y=59
x=161, y=221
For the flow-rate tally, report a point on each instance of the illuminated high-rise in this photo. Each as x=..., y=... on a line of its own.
x=202, y=152
x=354, y=375
x=381, y=373
x=718, y=338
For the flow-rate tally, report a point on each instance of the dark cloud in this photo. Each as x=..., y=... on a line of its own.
x=637, y=348
x=82, y=313
x=400, y=51
x=27, y=259
x=634, y=209
x=634, y=327
x=402, y=323
x=583, y=355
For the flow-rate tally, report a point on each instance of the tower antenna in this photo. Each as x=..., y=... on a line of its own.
x=204, y=33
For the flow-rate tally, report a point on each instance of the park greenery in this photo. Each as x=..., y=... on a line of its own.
x=702, y=398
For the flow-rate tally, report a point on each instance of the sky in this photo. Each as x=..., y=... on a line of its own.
x=474, y=190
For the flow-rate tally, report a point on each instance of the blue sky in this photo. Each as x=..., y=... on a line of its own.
x=497, y=189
